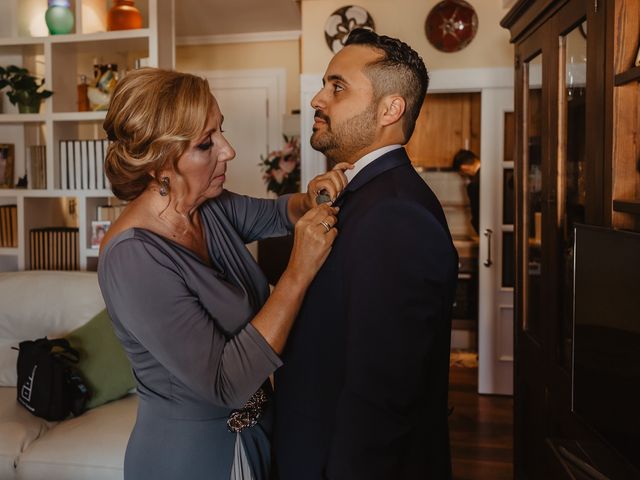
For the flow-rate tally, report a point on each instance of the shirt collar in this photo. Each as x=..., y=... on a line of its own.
x=368, y=158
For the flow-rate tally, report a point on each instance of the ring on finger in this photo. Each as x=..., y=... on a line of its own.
x=325, y=225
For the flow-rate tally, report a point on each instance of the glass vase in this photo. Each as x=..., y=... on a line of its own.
x=59, y=17
x=124, y=16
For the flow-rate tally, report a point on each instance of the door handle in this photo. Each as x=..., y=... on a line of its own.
x=487, y=233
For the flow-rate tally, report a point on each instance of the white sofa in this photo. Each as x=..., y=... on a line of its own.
x=90, y=447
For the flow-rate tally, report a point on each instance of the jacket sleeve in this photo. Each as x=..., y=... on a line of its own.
x=256, y=218
x=145, y=292
x=398, y=283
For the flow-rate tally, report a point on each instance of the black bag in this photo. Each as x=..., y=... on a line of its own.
x=48, y=385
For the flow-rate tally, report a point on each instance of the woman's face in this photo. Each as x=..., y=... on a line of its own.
x=202, y=167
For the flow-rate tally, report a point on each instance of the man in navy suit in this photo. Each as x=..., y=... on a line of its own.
x=363, y=391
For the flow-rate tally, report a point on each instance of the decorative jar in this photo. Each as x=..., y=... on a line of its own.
x=124, y=16
x=59, y=17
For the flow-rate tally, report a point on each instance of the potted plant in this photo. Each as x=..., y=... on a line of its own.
x=24, y=89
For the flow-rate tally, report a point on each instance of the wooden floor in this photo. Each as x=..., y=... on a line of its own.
x=481, y=428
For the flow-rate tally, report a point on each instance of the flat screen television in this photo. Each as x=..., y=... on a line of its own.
x=606, y=336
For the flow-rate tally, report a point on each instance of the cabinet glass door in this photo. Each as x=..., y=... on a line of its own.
x=571, y=171
x=533, y=197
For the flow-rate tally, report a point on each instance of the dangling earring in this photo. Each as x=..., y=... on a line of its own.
x=164, y=186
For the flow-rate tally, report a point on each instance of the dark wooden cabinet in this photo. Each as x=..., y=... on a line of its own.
x=577, y=124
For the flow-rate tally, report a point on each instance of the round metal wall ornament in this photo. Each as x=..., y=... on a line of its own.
x=451, y=25
x=342, y=21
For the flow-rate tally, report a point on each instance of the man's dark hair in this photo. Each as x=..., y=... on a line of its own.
x=400, y=70
x=463, y=157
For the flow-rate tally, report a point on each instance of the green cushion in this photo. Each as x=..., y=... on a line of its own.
x=103, y=363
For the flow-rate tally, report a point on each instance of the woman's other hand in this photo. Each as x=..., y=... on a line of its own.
x=314, y=235
x=330, y=183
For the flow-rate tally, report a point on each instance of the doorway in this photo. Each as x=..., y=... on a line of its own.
x=253, y=104
x=448, y=123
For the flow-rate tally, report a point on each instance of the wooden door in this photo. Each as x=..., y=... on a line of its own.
x=447, y=123
x=532, y=168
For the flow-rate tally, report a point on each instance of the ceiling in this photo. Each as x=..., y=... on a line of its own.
x=224, y=17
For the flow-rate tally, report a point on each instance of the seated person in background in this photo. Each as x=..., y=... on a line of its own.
x=467, y=164
x=187, y=300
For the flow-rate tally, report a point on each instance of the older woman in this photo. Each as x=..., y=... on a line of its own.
x=187, y=300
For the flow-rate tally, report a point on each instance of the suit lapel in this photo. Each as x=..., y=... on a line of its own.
x=380, y=165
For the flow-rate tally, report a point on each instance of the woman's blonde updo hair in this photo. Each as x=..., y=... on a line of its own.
x=153, y=116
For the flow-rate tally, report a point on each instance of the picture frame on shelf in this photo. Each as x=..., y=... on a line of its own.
x=99, y=229
x=7, y=160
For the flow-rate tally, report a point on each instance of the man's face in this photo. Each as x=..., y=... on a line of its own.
x=345, y=118
x=469, y=170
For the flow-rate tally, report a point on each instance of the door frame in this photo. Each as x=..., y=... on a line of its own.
x=486, y=81
x=495, y=337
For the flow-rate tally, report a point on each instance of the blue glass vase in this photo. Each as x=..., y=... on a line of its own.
x=59, y=17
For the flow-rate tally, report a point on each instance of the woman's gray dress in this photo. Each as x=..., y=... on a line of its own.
x=184, y=326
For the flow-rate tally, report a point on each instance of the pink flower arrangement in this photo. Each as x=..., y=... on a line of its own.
x=281, y=168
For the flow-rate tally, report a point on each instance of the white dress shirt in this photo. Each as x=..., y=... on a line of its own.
x=368, y=158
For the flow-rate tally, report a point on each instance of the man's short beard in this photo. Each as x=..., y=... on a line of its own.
x=340, y=143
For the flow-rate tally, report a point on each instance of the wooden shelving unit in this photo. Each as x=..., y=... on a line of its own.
x=545, y=324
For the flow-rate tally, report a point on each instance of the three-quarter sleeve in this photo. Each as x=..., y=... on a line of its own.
x=256, y=218
x=146, y=292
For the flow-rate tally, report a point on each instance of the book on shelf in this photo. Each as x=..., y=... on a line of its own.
x=7, y=161
x=105, y=147
x=8, y=226
x=54, y=248
x=38, y=167
x=77, y=166
x=100, y=177
x=82, y=164
x=109, y=213
x=91, y=158
x=64, y=166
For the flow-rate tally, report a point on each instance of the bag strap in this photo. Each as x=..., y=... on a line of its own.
x=67, y=351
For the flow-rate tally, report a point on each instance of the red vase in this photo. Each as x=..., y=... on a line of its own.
x=124, y=16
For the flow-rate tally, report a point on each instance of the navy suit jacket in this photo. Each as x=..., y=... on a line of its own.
x=363, y=390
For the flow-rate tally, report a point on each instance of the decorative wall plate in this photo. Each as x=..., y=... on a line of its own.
x=451, y=25
x=342, y=21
